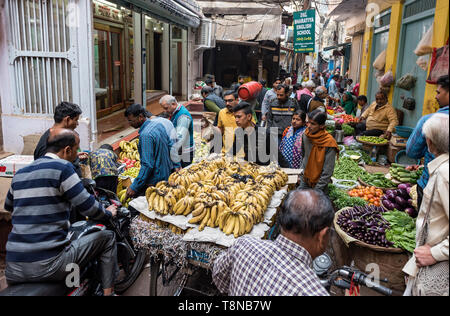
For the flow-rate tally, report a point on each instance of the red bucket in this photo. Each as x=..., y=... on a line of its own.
x=249, y=90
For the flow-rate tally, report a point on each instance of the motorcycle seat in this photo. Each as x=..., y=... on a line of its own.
x=35, y=289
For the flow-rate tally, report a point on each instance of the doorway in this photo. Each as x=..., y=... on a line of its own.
x=157, y=60
x=108, y=65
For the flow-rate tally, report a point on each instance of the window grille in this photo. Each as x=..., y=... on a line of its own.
x=40, y=43
x=418, y=7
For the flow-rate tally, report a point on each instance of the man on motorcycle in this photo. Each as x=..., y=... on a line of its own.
x=40, y=200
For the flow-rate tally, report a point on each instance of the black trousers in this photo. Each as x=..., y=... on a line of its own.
x=360, y=130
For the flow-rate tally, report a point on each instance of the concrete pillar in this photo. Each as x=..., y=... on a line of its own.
x=440, y=36
x=137, y=48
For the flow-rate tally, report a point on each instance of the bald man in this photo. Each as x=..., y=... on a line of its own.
x=255, y=267
x=41, y=198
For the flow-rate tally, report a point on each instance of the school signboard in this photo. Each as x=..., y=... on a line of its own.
x=304, y=31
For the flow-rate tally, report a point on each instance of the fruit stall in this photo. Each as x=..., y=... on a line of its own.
x=202, y=209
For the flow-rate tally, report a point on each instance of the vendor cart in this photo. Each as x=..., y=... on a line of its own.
x=175, y=257
x=178, y=250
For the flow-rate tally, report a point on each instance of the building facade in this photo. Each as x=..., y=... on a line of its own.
x=101, y=55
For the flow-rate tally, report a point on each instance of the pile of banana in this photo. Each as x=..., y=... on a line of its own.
x=122, y=195
x=129, y=150
x=220, y=193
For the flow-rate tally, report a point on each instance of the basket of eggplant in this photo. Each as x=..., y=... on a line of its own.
x=364, y=226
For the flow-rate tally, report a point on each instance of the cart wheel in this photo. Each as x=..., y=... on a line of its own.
x=166, y=278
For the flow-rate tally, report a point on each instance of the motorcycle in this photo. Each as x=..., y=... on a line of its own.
x=130, y=260
x=345, y=277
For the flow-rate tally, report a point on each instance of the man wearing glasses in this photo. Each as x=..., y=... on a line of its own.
x=226, y=121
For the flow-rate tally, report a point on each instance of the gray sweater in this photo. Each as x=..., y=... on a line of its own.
x=328, y=165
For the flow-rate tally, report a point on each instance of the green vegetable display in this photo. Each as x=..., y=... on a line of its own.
x=348, y=169
x=378, y=179
x=400, y=173
x=402, y=231
x=373, y=139
x=341, y=199
x=348, y=130
x=330, y=129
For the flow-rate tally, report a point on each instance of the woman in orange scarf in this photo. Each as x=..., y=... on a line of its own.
x=319, y=149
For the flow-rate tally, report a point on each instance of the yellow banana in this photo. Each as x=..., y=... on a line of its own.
x=205, y=220
x=198, y=218
x=237, y=228
x=198, y=210
x=229, y=226
x=213, y=215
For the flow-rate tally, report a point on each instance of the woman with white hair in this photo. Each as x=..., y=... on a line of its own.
x=427, y=270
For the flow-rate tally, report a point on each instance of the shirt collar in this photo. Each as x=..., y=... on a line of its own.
x=444, y=109
x=294, y=249
x=437, y=162
x=52, y=155
x=147, y=121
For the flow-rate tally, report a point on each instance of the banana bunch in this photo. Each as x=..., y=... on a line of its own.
x=236, y=222
x=160, y=200
x=197, y=188
x=218, y=176
x=184, y=206
x=276, y=180
x=123, y=197
x=177, y=190
x=129, y=150
x=176, y=230
x=186, y=177
x=207, y=211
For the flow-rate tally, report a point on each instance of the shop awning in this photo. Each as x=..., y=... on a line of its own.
x=347, y=9
x=168, y=11
x=249, y=28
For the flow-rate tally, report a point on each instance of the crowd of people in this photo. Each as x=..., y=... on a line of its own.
x=291, y=129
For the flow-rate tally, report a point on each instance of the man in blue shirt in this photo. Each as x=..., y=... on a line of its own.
x=184, y=125
x=416, y=146
x=154, y=150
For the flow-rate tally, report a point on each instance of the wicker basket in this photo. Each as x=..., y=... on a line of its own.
x=350, y=240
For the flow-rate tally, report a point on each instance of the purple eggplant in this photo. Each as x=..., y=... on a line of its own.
x=388, y=204
x=403, y=186
x=411, y=212
x=404, y=193
x=401, y=201
x=391, y=196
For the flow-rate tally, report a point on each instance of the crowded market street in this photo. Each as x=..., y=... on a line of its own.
x=196, y=148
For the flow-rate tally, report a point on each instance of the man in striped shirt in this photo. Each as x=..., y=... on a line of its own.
x=255, y=267
x=40, y=200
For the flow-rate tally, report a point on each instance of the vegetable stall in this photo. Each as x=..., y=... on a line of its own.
x=375, y=214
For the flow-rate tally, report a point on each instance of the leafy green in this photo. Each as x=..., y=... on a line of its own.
x=348, y=130
x=341, y=198
x=402, y=230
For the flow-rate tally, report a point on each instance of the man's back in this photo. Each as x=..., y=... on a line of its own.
x=39, y=199
x=254, y=267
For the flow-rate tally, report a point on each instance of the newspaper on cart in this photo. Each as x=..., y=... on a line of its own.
x=212, y=235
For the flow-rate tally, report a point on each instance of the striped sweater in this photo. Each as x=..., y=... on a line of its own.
x=40, y=200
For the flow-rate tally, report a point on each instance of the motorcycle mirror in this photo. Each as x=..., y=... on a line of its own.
x=88, y=183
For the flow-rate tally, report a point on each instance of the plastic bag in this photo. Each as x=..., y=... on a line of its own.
x=349, y=140
x=407, y=81
x=425, y=45
x=380, y=61
x=387, y=79
x=439, y=64
x=422, y=62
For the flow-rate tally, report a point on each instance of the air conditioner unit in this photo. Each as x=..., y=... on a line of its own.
x=206, y=34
